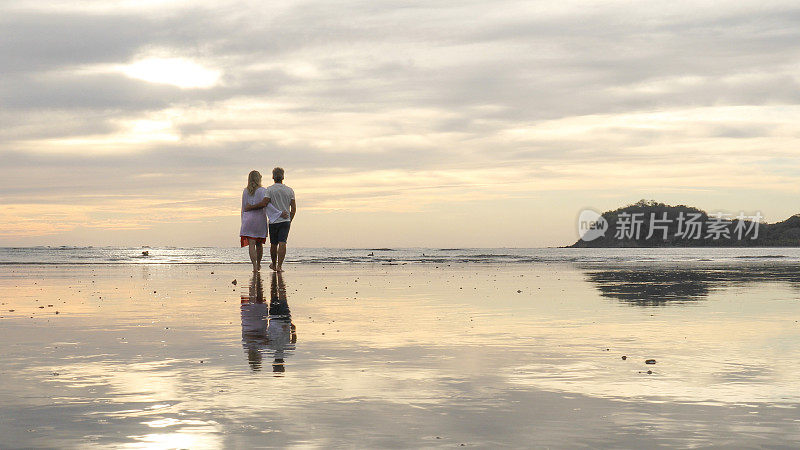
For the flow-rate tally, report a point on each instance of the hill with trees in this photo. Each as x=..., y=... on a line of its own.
x=654, y=224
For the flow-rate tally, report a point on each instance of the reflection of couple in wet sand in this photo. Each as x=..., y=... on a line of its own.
x=267, y=328
x=259, y=204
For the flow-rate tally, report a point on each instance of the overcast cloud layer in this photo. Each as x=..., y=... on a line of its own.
x=137, y=121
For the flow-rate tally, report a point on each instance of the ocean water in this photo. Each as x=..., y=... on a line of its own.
x=218, y=255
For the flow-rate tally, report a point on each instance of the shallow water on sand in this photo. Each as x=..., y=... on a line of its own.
x=400, y=356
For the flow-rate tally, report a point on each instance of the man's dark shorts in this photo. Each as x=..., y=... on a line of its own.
x=279, y=232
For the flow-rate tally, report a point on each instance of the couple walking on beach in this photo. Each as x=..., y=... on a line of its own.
x=259, y=204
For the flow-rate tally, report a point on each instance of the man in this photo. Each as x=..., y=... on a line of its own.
x=282, y=197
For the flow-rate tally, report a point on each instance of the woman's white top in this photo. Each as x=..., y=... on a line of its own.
x=254, y=223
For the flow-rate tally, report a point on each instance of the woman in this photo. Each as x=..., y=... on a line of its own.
x=254, y=223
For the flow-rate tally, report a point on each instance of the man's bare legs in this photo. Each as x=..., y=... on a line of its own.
x=273, y=254
x=277, y=252
x=281, y=256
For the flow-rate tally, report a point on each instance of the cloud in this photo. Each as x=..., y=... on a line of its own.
x=344, y=94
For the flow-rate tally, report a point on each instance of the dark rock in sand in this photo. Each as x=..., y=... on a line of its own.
x=624, y=358
x=650, y=361
x=233, y=282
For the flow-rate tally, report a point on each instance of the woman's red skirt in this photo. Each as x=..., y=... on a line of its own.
x=245, y=240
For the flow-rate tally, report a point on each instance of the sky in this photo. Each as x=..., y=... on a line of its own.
x=415, y=123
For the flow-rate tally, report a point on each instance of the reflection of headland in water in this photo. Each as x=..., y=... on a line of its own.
x=267, y=328
x=654, y=285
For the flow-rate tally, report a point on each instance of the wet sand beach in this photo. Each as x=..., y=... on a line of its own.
x=418, y=355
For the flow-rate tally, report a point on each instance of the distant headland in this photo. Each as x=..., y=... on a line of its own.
x=654, y=224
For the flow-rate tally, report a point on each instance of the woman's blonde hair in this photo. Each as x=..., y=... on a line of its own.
x=253, y=182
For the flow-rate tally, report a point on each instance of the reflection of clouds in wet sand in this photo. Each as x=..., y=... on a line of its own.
x=414, y=352
x=694, y=377
x=267, y=329
x=150, y=393
x=724, y=350
x=654, y=286
x=191, y=434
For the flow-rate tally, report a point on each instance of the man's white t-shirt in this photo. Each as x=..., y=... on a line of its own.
x=281, y=196
x=273, y=213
